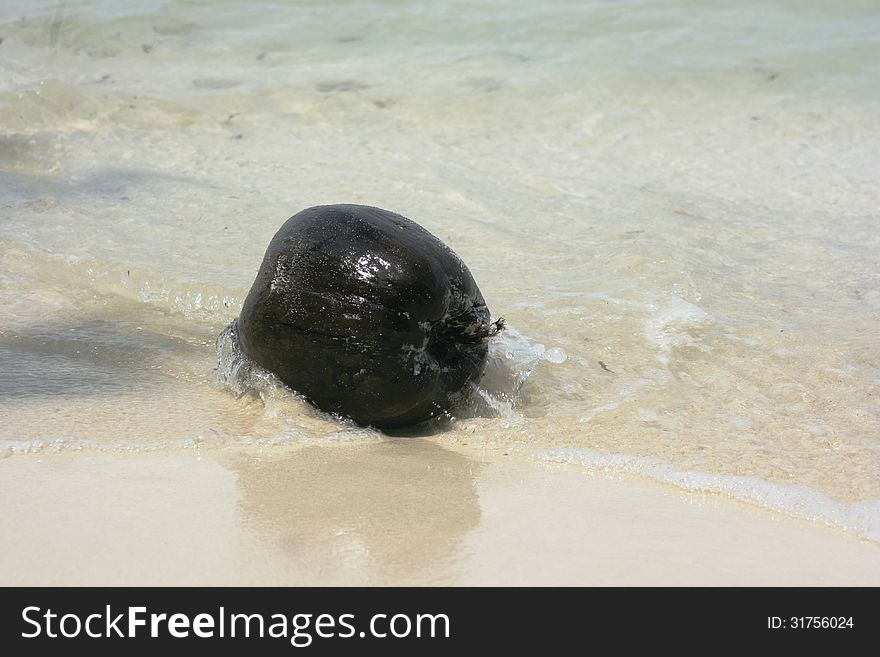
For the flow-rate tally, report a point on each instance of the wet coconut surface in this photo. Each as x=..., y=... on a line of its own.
x=367, y=315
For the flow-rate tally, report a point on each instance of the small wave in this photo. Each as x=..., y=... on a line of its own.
x=235, y=371
x=206, y=440
x=11, y=447
x=91, y=275
x=513, y=358
x=860, y=518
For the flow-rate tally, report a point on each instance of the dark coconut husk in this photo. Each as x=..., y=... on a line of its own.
x=367, y=315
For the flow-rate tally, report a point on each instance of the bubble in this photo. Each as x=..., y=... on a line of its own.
x=556, y=355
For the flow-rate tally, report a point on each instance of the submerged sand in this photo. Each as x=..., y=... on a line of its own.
x=398, y=511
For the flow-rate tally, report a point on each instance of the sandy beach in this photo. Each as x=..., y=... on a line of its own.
x=673, y=206
x=399, y=512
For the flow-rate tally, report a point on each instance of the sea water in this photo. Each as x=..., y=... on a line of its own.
x=675, y=205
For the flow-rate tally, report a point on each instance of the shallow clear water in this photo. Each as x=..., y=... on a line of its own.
x=673, y=204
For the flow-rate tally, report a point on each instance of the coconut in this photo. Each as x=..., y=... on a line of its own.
x=367, y=315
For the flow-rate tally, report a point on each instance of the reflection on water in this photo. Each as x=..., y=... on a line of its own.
x=374, y=509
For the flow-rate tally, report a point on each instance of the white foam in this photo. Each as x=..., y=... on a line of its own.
x=53, y=445
x=861, y=518
x=205, y=440
x=555, y=355
x=513, y=358
x=667, y=327
x=237, y=373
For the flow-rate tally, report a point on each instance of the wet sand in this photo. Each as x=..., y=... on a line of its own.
x=394, y=512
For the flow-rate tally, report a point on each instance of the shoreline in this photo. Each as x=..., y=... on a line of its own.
x=396, y=512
